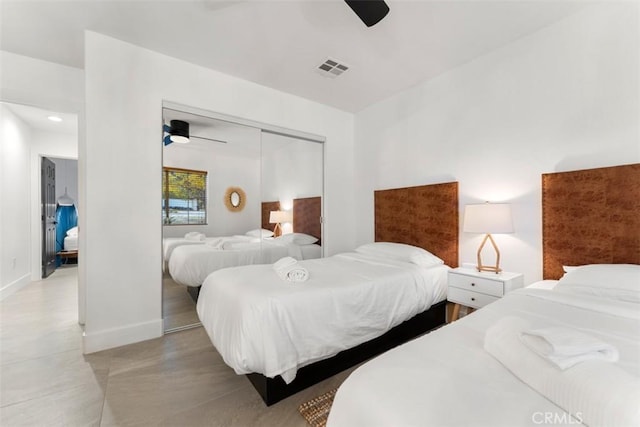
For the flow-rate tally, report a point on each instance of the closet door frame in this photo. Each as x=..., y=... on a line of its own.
x=264, y=127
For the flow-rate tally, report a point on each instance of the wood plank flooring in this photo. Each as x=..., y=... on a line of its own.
x=178, y=308
x=177, y=380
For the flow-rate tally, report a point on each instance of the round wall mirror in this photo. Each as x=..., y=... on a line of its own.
x=235, y=199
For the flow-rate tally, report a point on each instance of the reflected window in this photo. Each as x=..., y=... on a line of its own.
x=184, y=196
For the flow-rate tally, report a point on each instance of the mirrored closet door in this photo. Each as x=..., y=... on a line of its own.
x=227, y=185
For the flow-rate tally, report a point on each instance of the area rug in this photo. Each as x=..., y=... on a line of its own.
x=316, y=411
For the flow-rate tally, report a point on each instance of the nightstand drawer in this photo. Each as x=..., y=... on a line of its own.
x=476, y=284
x=468, y=298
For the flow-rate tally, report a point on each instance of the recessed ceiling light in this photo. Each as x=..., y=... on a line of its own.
x=54, y=118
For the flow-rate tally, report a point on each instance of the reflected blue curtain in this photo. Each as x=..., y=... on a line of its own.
x=66, y=217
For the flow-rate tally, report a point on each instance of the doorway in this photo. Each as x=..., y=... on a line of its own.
x=32, y=134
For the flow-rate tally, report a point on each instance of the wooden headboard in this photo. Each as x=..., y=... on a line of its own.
x=306, y=216
x=589, y=217
x=307, y=213
x=424, y=216
x=267, y=207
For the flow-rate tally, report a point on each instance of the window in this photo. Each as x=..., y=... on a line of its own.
x=184, y=196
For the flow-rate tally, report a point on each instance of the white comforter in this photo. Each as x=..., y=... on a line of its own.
x=261, y=323
x=170, y=243
x=70, y=243
x=447, y=378
x=190, y=265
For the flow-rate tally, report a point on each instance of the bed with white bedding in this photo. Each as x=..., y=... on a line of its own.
x=448, y=378
x=70, y=242
x=429, y=216
x=196, y=238
x=191, y=264
x=263, y=324
x=482, y=370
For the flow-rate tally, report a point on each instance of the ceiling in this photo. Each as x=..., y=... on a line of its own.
x=37, y=118
x=280, y=44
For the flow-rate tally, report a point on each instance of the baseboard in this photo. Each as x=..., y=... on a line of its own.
x=15, y=286
x=117, y=337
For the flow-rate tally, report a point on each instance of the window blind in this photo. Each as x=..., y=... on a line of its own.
x=184, y=196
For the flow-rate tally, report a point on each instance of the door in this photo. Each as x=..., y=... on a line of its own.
x=48, y=209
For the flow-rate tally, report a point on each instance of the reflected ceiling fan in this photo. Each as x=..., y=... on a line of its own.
x=369, y=11
x=178, y=131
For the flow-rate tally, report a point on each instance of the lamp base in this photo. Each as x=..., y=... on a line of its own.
x=277, y=230
x=492, y=268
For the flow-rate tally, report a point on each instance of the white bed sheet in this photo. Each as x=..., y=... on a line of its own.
x=170, y=243
x=446, y=377
x=191, y=264
x=261, y=323
x=70, y=243
x=543, y=284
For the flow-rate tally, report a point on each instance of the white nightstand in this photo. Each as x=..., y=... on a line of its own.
x=475, y=289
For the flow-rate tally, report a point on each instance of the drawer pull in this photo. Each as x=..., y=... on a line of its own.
x=473, y=284
x=473, y=299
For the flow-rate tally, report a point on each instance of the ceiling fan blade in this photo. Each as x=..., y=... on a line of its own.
x=209, y=139
x=369, y=11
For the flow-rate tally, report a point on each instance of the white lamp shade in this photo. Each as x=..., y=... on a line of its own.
x=278, y=217
x=488, y=218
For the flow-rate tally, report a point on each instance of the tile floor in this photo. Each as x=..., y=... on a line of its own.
x=176, y=380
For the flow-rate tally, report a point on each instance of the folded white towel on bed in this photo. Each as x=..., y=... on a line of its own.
x=194, y=235
x=288, y=269
x=595, y=392
x=565, y=347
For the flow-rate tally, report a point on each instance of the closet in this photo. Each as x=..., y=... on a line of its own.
x=249, y=171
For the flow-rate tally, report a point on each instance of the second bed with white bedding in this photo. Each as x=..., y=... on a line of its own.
x=190, y=265
x=262, y=324
x=427, y=381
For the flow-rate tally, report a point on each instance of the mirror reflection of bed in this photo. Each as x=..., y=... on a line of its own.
x=218, y=192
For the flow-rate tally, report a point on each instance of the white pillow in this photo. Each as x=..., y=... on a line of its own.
x=259, y=232
x=297, y=238
x=612, y=281
x=400, y=252
x=73, y=232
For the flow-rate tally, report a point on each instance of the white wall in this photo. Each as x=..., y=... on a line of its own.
x=294, y=170
x=125, y=87
x=224, y=171
x=15, y=234
x=67, y=176
x=564, y=98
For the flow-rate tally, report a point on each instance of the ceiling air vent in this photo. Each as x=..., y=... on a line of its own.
x=332, y=68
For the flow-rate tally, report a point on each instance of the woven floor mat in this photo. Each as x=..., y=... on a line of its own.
x=316, y=411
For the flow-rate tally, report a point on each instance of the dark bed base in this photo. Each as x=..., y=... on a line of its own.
x=275, y=389
x=194, y=291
